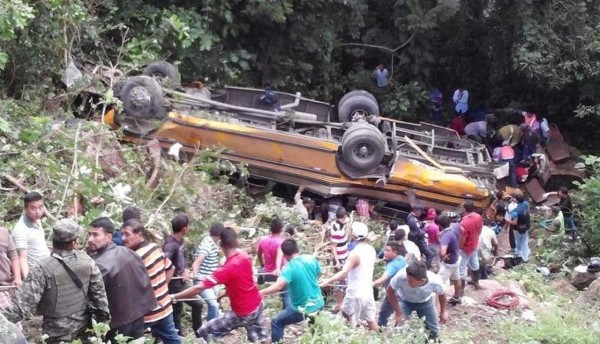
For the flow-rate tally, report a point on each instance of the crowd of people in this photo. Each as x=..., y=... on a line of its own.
x=134, y=285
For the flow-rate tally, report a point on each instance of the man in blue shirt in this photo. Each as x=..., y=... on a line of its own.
x=449, y=269
x=519, y=219
x=300, y=275
x=393, y=254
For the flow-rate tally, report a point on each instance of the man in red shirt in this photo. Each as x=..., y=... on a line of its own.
x=246, y=302
x=471, y=226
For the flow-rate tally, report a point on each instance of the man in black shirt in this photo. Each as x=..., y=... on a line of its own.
x=416, y=233
x=566, y=206
x=173, y=249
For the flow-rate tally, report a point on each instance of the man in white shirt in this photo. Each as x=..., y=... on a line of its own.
x=461, y=100
x=412, y=290
x=359, y=302
x=28, y=234
x=412, y=250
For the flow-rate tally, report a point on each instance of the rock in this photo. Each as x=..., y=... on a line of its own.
x=529, y=315
x=496, y=270
x=581, y=278
x=469, y=301
x=517, y=288
x=562, y=285
x=554, y=268
x=592, y=294
x=474, y=297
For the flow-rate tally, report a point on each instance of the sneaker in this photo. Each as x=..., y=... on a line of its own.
x=454, y=301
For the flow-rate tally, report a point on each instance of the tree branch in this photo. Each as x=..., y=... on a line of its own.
x=24, y=189
x=389, y=50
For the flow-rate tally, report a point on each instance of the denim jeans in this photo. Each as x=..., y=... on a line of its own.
x=424, y=248
x=471, y=261
x=425, y=309
x=287, y=316
x=385, y=312
x=196, y=307
x=522, y=241
x=210, y=297
x=164, y=329
x=512, y=171
x=570, y=225
x=285, y=296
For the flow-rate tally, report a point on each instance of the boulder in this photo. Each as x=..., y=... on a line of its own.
x=497, y=270
x=517, y=288
x=554, y=268
x=592, y=294
x=475, y=297
x=562, y=285
x=581, y=278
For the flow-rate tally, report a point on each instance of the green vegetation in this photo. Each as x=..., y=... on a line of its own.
x=559, y=318
x=524, y=54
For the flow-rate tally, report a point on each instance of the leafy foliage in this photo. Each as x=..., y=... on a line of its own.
x=587, y=197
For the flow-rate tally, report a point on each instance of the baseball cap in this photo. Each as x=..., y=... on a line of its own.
x=431, y=214
x=66, y=230
x=360, y=230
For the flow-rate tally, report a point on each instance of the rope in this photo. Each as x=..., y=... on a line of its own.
x=503, y=299
x=215, y=298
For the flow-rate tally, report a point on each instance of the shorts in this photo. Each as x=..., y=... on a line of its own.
x=359, y=308
x=449, y=271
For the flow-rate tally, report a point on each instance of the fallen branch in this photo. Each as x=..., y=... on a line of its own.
x=173, y=188
x=154, y=151
x=25, y=190
x=73, y=168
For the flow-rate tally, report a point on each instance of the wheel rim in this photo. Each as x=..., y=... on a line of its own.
x=140, y=97
x=359, y=114
x=160, y=77
x=363, y=152
x=138, y=125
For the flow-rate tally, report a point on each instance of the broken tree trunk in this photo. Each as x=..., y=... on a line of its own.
x=154, y=152
x=23, y=189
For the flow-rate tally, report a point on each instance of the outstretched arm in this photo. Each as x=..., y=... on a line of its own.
x=277, y=286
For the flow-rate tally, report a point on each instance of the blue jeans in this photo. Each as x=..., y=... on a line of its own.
x=164, y=329
x=425, y=309
x=522, y=243
x=385, y=312
x=210, y=297
x=512, y=171
x=285, y=296
x=471, y=261
x=570, y=225
x=287, y=316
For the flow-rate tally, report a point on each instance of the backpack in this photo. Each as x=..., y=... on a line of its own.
x=523, y=220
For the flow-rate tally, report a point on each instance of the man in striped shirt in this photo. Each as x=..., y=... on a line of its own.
x=160, y=270
x=207, y=261
x=338, y=236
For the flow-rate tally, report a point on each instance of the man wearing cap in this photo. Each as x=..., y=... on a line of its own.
x=128, y=287
x=62, y=287
x=359, y=302
x=417, y=235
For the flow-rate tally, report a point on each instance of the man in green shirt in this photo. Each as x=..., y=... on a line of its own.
x=300, y=275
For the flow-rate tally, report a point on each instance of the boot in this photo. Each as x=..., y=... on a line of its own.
x=475, y=279
x=463, y=283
